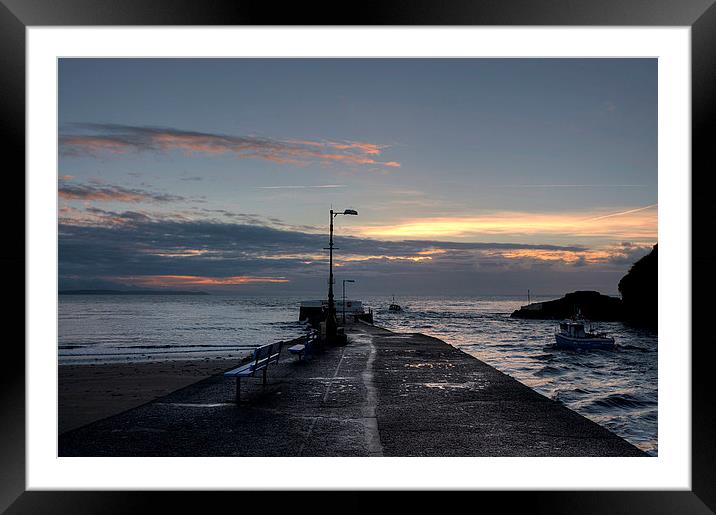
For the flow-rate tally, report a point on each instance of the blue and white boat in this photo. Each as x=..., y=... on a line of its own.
x=571, y=335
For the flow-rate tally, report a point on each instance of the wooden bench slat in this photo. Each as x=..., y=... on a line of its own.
x=263, y=356
x=243, y=370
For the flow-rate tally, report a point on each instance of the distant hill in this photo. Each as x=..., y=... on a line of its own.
x=640, y=291
x=130, y=292
x=592, y=305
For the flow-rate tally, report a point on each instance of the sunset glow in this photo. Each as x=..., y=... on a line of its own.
x=415, y=259
x=567, y=257
x=637, y=223
x=193, y=280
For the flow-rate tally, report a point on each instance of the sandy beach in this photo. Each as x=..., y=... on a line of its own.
x=92, y=392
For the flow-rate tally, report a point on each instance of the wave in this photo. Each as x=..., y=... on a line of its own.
x=619, y=401
x=548, y=371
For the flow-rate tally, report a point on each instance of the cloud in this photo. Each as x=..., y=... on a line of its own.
x=632, y=223
x=148, y=250
x=69, y=191
x=97, y=139
x=608, y=254
x=319, y=186
x=609, y=106
x=164, y=281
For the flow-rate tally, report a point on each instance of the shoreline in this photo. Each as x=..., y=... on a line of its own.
x=91, y=392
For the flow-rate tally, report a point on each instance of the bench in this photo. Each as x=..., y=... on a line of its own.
x=262, y=358
x=299, y=349
x=304, y=349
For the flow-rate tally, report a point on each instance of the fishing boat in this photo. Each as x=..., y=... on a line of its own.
x=571, y=334
x=394, y=306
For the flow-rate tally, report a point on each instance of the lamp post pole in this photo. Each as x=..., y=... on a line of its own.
x=331, y=323
x=331, y=320
x=344, y=297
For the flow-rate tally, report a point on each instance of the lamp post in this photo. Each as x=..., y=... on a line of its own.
x=344, y=297
x=331, y=323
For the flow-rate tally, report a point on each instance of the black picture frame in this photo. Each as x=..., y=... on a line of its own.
x=700, y=15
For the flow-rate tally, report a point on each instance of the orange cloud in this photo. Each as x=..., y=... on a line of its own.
x=564, y=256
x=123, y=138
x=623, y=252
x=197, y=280
x=117, y=196
x=389, y=258
x=429, y=252
x=110, y=193
x=97, y=143
x=365, y=148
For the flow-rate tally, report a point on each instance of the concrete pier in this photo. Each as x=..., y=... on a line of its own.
x=384, y=394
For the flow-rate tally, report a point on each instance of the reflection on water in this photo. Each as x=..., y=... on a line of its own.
x=616, y=388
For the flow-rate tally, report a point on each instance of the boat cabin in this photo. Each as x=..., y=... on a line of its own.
x=574, y=329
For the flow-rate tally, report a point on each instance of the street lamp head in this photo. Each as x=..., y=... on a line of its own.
x=350, y=212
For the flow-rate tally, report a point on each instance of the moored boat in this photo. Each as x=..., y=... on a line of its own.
x=571, y=334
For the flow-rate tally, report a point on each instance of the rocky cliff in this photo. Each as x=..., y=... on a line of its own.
x=640, y=291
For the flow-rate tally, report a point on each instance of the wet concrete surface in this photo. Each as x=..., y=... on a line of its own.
x=384, y=394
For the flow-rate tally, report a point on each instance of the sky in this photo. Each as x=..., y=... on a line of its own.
x=470, y=176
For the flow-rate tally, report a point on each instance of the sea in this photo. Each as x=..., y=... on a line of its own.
x=615, y=388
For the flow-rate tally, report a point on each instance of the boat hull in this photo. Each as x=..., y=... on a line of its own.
x=583, y=343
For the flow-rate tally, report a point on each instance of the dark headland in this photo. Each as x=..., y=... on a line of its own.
x=382, y=394
x=592, y=304
x=638, y=304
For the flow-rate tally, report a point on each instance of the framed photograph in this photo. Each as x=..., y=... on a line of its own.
x=419, y=252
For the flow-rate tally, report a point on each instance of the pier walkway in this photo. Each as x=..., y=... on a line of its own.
x=384, y=394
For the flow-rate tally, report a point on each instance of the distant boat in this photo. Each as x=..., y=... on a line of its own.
x=394, y=306
x=571, y=335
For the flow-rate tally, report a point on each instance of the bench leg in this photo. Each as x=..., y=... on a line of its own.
x=265, y=369
x=238, y=389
